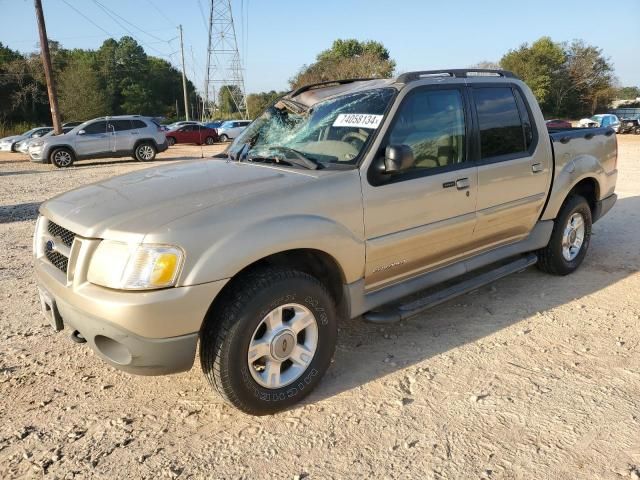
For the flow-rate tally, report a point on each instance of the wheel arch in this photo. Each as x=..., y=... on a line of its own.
x=52, y=148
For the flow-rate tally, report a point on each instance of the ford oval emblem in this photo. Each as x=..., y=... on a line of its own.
x=49, y=246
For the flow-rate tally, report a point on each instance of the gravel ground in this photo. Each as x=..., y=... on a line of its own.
x=532, y=377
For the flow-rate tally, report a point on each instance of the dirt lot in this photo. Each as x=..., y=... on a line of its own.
x=532, y=377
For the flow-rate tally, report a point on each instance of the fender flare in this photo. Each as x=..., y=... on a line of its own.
x=234, y=251
x=573, y=172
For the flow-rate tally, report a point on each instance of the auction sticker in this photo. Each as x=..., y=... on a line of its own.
x=358, y=120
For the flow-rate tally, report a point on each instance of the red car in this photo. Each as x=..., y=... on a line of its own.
x=192, y=134
x=555, y=123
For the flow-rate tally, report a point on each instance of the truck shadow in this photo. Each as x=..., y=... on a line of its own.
x=367, y=352
x=19, y=212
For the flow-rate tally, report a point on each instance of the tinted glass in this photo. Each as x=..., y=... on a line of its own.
x=97, y=127
x=119, y=125
x=501, y=131
x=432, y=123
x=139, y=124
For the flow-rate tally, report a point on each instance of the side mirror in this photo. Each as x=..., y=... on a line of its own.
x=398, y=158
x=81, y=132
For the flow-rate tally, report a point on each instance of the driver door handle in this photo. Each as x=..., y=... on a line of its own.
x=462, y=183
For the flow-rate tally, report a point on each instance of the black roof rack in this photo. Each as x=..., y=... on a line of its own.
x=455, y=73
x=312, y=86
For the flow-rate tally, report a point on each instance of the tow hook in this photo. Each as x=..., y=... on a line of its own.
x=77, y=337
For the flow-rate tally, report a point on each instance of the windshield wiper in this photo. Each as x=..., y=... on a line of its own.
x=298, y=159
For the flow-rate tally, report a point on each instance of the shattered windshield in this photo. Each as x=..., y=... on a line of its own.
x=330, y=132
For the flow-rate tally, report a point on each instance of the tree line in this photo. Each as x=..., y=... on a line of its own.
x=117, y=78
x=569, y=79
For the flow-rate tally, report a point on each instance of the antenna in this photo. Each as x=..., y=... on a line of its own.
x=224, y=67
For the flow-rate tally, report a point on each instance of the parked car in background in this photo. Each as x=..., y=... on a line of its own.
x=174, y=125
x=192, y=134
x=556, y=123
x=630, y=124
x=369, y=197
x=231, y=129
x=23, y=146
x=71, y=124
x=604, y=120
x=8, y=144
x=122, y=136
x=215, y=123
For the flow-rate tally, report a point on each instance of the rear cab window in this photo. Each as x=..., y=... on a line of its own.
x=501, y=127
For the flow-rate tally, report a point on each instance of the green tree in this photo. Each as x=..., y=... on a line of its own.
x=628, y=93
x=347, y=59
x=228, y=100
x=258, y=102
x=81, y=97
x=540, y=66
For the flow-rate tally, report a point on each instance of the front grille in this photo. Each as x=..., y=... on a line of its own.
x=65, y=235
x=57, y=259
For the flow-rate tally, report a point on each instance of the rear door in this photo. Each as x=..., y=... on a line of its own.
x=94, y=140
x=514, y=168
x=122, y=139
x=422, y=218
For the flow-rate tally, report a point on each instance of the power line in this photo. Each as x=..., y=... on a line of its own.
x=111, y=12
x=155, y=7
x=87, y=18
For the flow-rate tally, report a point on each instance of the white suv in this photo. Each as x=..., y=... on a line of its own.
x=122, y=136
x=231, y=129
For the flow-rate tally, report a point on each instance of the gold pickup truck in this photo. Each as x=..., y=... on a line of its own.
x=342, y=199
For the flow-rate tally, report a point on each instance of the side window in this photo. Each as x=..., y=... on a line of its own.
x=97, y=127
x=432, y=123
x=501, y=129
x=120, y=125
x=138, y=124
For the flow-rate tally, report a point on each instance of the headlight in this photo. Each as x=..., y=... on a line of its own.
x=36, y=143
x=125, y=266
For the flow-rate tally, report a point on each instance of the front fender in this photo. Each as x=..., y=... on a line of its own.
x=570, y=174
x=237, y=249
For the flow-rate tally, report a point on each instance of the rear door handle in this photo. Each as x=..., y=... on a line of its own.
x=536, y=168
x=462, y=183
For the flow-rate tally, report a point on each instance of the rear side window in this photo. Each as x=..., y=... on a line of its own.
x=120, y=125
x=501, y=128
x=139, y=124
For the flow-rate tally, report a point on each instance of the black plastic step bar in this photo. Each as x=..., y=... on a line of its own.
x=402, y=311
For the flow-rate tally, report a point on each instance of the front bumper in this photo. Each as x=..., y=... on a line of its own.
x=36, y=154
x=145, y=333
x=6, y=147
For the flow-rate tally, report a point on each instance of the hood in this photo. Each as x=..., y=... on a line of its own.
x=12, y=138
x=129, y=206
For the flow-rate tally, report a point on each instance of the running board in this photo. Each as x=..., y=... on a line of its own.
x=402, y=311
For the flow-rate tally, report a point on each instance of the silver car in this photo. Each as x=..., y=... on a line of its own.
x=231, y=129
x=23, y=146
x=11, y=144
x=123, y=136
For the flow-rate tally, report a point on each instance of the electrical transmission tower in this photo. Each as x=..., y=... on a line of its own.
x=224, y=68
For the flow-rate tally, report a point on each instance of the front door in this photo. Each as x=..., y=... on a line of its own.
x=424, y=217
x=514, y=170
x=94, y=140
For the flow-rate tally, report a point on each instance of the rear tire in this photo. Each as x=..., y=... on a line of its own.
x=171, y=141
x=287, y=320
x=62, y=157
x=209, y=140
x=145, y=152
x=565, y=251
x=224, y=138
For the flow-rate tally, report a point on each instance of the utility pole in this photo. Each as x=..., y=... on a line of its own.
x=184, y=78
x=48, y=72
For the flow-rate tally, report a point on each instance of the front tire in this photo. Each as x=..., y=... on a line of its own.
x=145, y=152
x=269, y=340
x=171, y=141
x=224, y=138
x=569, y=240
x=209, y=140
x=62, y=157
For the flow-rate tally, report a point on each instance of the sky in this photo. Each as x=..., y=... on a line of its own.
x=277, y=37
